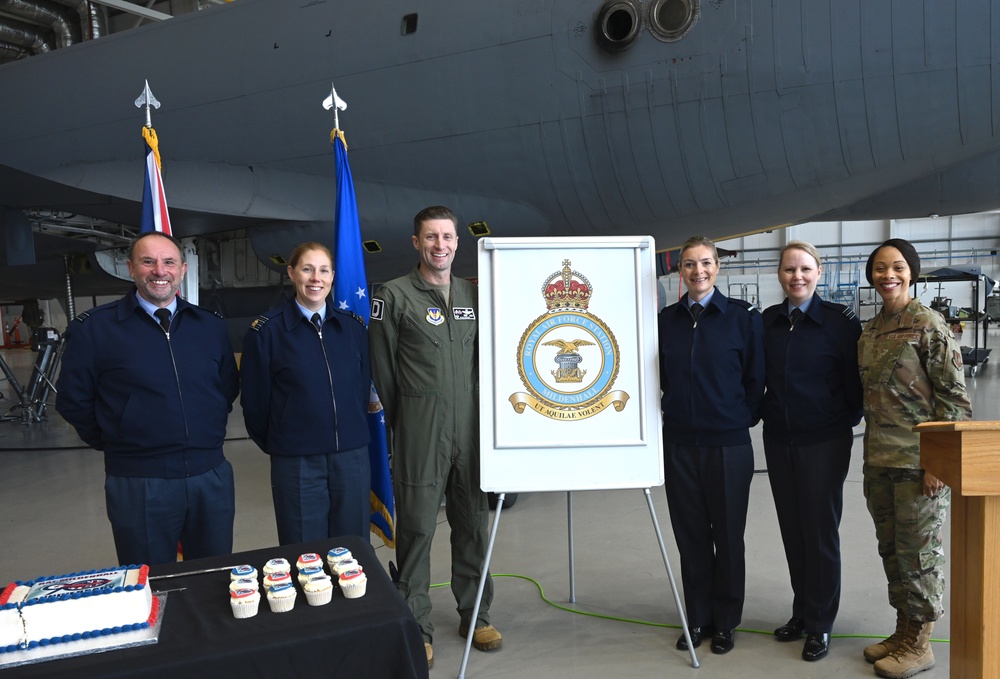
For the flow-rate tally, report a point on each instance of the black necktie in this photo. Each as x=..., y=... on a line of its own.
x=318, y=322
x=794, y=318
x=164, y=316
x=696, y=310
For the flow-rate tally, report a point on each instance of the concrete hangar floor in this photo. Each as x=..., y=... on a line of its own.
x=624, y=621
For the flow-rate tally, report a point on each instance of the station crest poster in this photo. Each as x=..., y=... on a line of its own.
x=569, y=388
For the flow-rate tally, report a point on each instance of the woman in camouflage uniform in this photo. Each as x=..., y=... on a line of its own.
x=911, y=372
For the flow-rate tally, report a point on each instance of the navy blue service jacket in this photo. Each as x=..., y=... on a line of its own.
x=712, y=373
x=156, y=406
x=304, y=395
x=813, y=383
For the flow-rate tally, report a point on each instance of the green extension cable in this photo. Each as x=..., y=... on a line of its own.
x=541, y=594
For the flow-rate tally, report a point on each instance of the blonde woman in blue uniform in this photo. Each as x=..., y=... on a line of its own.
x=812, y=403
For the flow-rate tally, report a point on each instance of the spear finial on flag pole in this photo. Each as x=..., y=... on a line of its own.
x=147, y=99
x=336, y=103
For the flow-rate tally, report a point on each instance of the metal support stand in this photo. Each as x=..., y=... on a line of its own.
x=572, y=585
x=572, y=554
x=482, y=586
x=670, y=576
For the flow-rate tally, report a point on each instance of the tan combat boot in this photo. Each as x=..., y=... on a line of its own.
x=914, y=654
x=887, y=646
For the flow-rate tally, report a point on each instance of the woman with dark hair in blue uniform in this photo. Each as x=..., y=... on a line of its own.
x=307, y=384
x=812, y=403
x=712, y=378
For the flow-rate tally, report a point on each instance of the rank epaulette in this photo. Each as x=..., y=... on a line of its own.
x=83, y=316
x=842, y=308
x=259, y=322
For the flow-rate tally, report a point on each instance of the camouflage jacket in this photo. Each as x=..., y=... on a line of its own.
x=911, y=372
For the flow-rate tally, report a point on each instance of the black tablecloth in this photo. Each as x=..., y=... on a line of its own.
x=374, y=636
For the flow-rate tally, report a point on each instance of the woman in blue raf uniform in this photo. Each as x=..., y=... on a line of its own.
x=307, y=386
x=712, y=378
x=812, y=403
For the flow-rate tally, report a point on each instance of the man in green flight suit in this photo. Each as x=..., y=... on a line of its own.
x=423, y=340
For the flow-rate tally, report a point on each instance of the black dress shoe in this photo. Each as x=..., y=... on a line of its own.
x=697, y=634
x=723, y=641
x=791, y=630
x=816, y=647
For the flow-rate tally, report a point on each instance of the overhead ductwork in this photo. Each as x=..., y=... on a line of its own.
x=44, y=14
x=92, y=23
x=10, y=52
x=23, y=38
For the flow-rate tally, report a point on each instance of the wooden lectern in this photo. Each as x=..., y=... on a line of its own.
x=966, y=456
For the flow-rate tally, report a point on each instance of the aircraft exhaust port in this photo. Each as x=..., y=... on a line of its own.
x=671, y=20
x=618, y=24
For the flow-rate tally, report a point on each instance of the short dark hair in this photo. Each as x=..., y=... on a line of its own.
x=147, y=234
x=433, y=212
x=905, y=248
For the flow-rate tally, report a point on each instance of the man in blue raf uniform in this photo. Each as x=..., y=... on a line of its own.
x=150, y=380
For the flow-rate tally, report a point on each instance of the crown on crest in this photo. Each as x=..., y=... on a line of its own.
x=567, y=290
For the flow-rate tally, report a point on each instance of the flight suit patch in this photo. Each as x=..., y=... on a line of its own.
x=434, y=316
x=463, y=313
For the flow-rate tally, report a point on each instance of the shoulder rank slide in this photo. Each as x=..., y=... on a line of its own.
x=259, y=323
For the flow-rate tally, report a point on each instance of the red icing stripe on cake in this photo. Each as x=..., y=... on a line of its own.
x=7, y=592
x=143, y=574
x=154, y=610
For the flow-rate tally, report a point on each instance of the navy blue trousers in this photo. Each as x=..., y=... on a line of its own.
x=807, y=482
x=149, y=516
x=708, y=492
x=321, y=496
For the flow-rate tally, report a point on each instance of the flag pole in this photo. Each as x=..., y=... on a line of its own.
x=350, y=293
x=155, y=214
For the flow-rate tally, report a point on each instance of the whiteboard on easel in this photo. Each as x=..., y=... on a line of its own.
x=568, y=364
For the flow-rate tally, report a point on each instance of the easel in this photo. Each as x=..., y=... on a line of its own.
x=568, y=359
x=572, y=572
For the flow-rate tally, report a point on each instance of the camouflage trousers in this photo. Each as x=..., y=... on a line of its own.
x=908, y=526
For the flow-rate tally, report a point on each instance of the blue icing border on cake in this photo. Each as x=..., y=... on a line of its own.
x=76, y=636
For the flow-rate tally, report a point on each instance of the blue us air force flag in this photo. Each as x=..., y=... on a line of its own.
x=350, y=291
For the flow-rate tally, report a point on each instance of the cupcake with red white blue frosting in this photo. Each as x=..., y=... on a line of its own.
x=353, y=583
x=281, y=598
x=244, y=602
x=276, y=566
x=338, y=554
